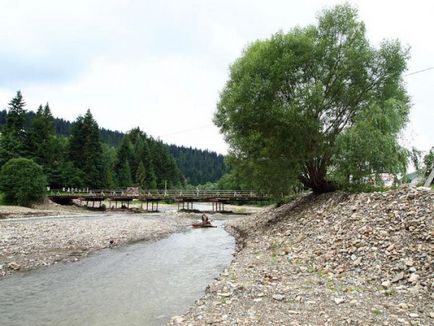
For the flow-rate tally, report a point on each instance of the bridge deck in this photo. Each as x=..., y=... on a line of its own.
x=180, y=196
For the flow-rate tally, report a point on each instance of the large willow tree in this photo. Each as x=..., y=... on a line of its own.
x=319, y=105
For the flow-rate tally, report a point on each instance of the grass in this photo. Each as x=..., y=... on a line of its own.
x=376, y=312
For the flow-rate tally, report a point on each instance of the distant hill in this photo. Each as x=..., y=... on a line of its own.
x=198, y=166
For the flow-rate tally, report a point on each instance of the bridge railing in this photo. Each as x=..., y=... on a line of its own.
x=157, y=193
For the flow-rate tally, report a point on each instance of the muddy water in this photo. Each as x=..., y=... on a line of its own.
x=142, y=284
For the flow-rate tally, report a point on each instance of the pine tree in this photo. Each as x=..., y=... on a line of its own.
x=13, y=138
x=41, y=137
x=141, y=176
x=85, y=150
x=124, y=154
x=124, y=175
x=151, y=178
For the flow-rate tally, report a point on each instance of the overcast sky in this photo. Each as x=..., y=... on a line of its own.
x=160, y=65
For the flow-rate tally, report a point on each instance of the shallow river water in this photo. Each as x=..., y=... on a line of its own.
x=142, y=284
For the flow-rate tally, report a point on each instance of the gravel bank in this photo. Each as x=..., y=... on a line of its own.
x=31, y=242
x=334, y=259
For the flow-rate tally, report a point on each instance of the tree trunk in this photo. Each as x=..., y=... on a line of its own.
x=314, y=177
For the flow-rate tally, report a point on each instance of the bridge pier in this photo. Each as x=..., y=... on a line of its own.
x=218, y=206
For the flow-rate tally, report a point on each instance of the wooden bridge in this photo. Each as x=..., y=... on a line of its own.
x=184, y=198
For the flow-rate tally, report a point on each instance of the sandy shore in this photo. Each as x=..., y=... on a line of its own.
x=31, y=242
x=335, y=259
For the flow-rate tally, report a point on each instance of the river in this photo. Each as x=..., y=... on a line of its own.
x=141, y=284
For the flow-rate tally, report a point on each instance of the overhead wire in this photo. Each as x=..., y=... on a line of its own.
x=209, y=125
x=418, y=71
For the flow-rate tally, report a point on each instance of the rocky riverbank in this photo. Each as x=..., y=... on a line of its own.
x=32, y=242
x=333, y=259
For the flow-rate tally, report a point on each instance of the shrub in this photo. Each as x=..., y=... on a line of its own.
x=22, y=182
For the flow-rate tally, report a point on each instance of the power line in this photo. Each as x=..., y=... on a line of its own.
x=418, y=71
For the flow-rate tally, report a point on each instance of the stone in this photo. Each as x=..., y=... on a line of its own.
x=278, y=297
x=339, y=300
x=177, y=319
x=386, y=284
x=398, y=277
x=224, y=294
x=409, y=263
x=14, y=266
x=413, y=278
x=357, y=262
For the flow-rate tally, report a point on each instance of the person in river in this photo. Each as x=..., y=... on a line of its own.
x=205, y=220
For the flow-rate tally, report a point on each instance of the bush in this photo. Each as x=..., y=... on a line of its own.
x=22, y=182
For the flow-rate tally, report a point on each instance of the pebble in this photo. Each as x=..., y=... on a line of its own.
x=278, y=297
x=413, y=278
x=357, y=248
x=29, y=243
x=339, y=300
x=386, y=284
x=398, y=277
x=14, y=266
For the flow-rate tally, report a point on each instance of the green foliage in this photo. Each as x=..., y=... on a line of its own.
x=428, y=162
x=13, y=137
x=141, y=175
x=83, y=160
x=318, y=105
x=166, y=171
x=40, y=137
x=149, y=163
x=124, y=175
x=198, y=166
x=85, y=151
x=22, y=182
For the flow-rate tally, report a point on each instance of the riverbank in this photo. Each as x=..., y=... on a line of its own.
x=31, y=242
x=334, y=259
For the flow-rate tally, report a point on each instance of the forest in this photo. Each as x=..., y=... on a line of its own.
x=81, y=154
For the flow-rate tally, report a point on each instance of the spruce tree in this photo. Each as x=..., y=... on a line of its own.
x=124, y=175
x=85, y=151
x=41, y=137
x=13, y=137
x=151, y=178
x=141, y=176
x=124, y=154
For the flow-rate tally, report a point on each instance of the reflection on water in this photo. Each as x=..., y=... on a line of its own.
x=143, y=284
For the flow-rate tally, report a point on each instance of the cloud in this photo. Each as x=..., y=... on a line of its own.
x=160, y=64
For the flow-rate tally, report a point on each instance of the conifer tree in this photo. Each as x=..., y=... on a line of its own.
x=41, y=137
x=124, y=175
x=151, y=178
x=13, y=138
x=141, y=176
x=85, y=151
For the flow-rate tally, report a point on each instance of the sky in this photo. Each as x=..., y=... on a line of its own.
x=161, y=65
